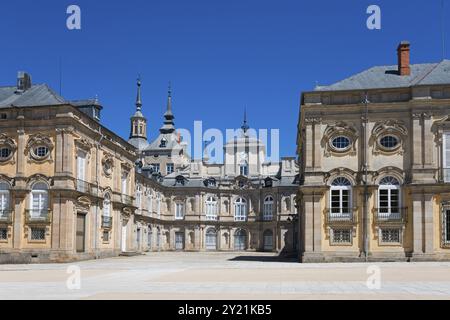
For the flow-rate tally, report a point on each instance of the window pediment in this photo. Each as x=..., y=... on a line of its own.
x=8, y=148
x=39, y=148
x=388, y=137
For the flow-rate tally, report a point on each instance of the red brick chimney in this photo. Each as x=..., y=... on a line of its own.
x=403, y=59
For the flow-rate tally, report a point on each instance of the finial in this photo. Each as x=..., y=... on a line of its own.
x=138, y=98
x=170, y=90
x=245, y=126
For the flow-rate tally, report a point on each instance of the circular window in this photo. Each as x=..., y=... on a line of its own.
x=341, y=143
x=389, y=142
x=5, y=153
x=41, y=152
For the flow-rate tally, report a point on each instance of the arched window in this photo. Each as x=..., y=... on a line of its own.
x=211, y=239
x=39, y=200
x=340, y=197
x=389, y=198
x=4, y=200
x=268, y=208
x=211, y=208
x=150, y=203
x=158, y=205
x=240, y=240
x=107, y=205
x=243, y=168
x=240, y=210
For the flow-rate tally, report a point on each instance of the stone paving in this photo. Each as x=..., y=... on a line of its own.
x=240, y=276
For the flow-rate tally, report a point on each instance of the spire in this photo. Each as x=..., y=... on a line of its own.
x=169, y=125
x=138, y=98
x=245, y=126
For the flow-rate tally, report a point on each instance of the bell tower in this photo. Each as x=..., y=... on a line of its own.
x=138, y=132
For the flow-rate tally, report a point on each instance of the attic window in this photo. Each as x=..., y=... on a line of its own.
x=268, y=183
x=163, y=143
x=180, y=180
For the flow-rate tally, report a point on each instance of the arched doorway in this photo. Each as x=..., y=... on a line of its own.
x=240, y=240
x=211, y=239
x=268, y=240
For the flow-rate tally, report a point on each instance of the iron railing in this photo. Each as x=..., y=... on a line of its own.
x=38, y=216
x=107, y=222
x=5, y=216
x=390, y=215
x=346, y=215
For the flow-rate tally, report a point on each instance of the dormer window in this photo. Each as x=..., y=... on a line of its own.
x=163, y=143
x=268, y=183
x=180, y=180
x=243, y=169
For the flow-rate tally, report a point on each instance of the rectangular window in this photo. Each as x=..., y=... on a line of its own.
x=341, y=236
x=124, y=182
x=340, y=201
x=37, y=234
x=81, y=166
x=3, y=234
x=268, y=211
x=211, y=211
x=446, y=226
x=179, y=211
x=170, y=168
x=39, y=204
x=4, y=202
x=446, y=154
x=105, y=236
x=155, y=167
x=149, y=239
x=390, y=235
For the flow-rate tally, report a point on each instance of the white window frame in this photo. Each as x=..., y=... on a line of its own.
x=107, y=205
x=240, y=209
x=172, y=168
x=179, y=210
x=124, y=182
x=81, y=165
x=150, y=203
x=268, y=208
x=390, y=213
x=211, y=208
x=42, y=199
x=340, y=189
x=243, y=169
x=445, y=222
x=139, y=197
x=5, y=198
x=445, y=160
x=158, y=205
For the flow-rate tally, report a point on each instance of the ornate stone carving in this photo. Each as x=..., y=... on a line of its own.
x=337, y=130
x=7, y=145
x=386, y=128
x=36, y=144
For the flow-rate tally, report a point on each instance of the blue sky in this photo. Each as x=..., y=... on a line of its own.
x=221, y=56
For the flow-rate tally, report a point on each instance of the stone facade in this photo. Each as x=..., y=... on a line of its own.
x=374, y=178
x=70, y=189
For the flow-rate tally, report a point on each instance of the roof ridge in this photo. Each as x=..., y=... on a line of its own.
x=54, y=94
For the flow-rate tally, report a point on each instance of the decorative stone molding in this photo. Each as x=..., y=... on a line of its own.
x=11, y=181
x=330, y=176
x=84, y=145
x=39, y=140
x=395, y=172
x=337, y=130
x=39, y=177
x=313, y=120
x=7, y=142
x=83, y=203
x=108, y=164
x=385, y=128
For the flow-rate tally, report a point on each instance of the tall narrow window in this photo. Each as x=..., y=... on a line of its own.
x=107, y=205
x=169, y=168
x=389, y=198
x=268, y=208
x=240, y=210
x=179, y=211
x=4, y=200
x=340, y=198
x=211, y=208
x=150, y=203
x=81, y=166
x=446, y=160
x=158, y=205
x=243, y=168
x=446, y=226
x=139, y=197
x=124, y=182
x=39, y=200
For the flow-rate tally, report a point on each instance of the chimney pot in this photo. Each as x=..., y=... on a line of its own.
x=403, y=52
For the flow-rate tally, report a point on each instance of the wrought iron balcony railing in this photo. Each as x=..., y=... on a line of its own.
x=38, y=216
x=107, y=222
x=346, y=215
x=390, y=215
x=5, y=216
x=126, y=199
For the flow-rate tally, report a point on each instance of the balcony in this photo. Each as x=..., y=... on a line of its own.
x=5, y=216
x=344, y=216
x=127, y=200
x=390, y=215
x=38, y=216
x=84, y=187
x=107, y=222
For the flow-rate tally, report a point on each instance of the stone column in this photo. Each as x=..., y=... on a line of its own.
x=417, y=139
x=429, y=223
x=417, y=224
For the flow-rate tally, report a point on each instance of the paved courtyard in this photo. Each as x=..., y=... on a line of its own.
x=179, y=275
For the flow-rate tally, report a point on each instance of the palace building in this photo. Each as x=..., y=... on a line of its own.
x=72, y=189
x=374, y=151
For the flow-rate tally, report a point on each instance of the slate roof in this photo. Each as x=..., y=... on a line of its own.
x=37, y=95
x=385, y=77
